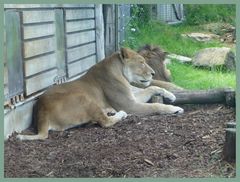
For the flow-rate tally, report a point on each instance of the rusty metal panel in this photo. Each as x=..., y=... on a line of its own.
x=14, y=53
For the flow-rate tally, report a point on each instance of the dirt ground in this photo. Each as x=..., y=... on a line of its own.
x=188, y=145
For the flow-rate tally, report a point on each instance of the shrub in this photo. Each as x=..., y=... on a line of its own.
x=197, y=14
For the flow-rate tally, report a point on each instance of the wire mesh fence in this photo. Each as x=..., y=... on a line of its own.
x=127, y=13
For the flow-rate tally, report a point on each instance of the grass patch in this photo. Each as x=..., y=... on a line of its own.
x=169, y=38
x=190, y=77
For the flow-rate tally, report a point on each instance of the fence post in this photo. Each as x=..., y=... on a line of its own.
x=109, y=14
x=60, y=46
x=99, y=32
x=14, y=59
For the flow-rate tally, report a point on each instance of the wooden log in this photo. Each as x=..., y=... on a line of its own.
x=201, y=96
x=230, y=97
x=229, y=150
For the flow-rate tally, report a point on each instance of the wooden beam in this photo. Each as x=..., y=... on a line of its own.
x=74, y=14
x=37, y=16
x=99, y=32
x=229, y=150
x=202, y=97
x=60, y=45
x=79, y=52
x=80, y=66
x=109, y=13
x=14, y=61
x=77, y=39
x=38, y=47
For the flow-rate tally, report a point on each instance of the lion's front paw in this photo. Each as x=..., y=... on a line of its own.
x=163, y=92
x=121, y=115
x=169, y=96
x=177, y=110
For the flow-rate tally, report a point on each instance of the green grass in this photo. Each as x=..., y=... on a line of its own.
x=169, y=38
x=190, y=77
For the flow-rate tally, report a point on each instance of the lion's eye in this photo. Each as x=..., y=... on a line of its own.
x=143, y=65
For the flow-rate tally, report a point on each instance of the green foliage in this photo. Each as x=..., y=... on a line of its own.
x=140, y=15
x=197, y=14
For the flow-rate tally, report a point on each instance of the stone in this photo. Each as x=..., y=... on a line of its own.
x=201, y=37
x=215, y=56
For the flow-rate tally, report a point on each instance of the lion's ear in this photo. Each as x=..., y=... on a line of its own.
x=124, y=53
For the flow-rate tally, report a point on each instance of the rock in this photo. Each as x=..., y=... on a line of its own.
x=201, y=37
x=218, y=28
x=226, y=31
x=216, y=56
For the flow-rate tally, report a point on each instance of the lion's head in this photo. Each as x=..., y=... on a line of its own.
x=155, y=58
x=135, y=68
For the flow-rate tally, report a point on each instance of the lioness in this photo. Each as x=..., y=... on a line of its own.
x=105, y=87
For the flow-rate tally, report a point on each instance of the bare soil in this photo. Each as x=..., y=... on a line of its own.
x=188, y=145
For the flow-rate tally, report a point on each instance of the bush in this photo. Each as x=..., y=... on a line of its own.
x=198, y=14
x=140, y=15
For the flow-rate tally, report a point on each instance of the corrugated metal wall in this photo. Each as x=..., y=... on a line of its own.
x=46, y=43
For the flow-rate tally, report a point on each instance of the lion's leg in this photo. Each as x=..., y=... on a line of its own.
x=144, y=95
x=167, y=85
x=150, y=108
x=101, y=117
x=43, y=127
x=107, y=121
x=141, y=95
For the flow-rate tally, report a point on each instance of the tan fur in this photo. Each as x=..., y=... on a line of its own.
x=105, y=87
x=155, y=58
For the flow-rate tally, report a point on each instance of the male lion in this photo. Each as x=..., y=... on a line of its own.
x=105, y=87
x=155, y=58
